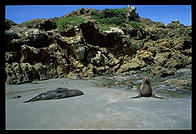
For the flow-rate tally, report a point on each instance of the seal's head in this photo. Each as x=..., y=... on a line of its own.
x=79, y=92
x=75, y=92
x=146, y=81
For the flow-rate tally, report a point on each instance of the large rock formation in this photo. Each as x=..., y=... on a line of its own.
x=37, y=50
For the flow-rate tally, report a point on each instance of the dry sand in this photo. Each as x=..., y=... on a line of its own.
x=98, y=108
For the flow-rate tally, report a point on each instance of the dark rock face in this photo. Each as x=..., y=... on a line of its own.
x=69, y=33
x=93, y=36
x=46, y=25
x=18, y=36
x=34, y=55
x=7, y=25
x=42, y=52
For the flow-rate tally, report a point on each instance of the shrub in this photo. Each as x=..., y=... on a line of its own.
x=135, y=24
x=110, y=16
x=65, y=22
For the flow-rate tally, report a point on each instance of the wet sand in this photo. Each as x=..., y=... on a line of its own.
x=98, y=108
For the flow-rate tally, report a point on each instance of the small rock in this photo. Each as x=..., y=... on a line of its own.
x=16, y=96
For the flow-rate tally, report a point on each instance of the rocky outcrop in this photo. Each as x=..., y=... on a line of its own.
x=17, y=36
x=20, y=73
x=39, y=52
x=46, y=25
x=132, y=14
x=9, y=24
x=95, y=37
x=80, y=12
x=25, y=72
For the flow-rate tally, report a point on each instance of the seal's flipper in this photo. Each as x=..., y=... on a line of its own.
x=158, y=96
x=139, y=96
x=36, y=98
x=29, y=100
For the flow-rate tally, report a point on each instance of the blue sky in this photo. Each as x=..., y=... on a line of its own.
x=163, y=13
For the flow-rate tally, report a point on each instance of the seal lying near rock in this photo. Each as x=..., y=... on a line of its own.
x=146, y=90
x=59, y=93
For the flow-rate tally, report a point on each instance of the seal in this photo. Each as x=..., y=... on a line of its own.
x=146, y=90
x=58, y=93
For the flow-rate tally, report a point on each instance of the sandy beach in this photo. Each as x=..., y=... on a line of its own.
x=99, y=108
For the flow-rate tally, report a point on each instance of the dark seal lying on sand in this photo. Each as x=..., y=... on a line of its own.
x=59, y=93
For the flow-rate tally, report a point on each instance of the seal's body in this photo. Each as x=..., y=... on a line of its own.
x=56, y=94
x=146, y=90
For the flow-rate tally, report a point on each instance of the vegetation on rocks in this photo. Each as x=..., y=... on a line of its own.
x=135, y=24
x=65, y=22
x=89, y=42
x=110, y=16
